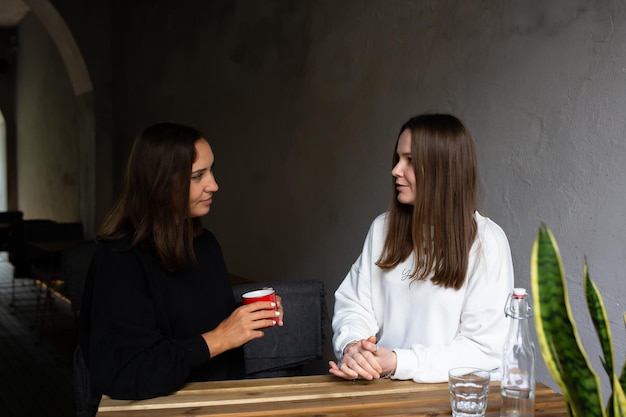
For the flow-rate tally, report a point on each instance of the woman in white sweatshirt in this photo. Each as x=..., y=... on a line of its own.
x=427, y=292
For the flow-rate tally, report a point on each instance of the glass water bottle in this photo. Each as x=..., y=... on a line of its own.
x=518, y=359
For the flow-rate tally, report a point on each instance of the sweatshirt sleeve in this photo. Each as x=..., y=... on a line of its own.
x=482, y=328
x=354, y=317
x=129, y=356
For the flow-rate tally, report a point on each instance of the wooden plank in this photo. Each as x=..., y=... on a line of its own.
x=337, y=408
x=313, y=396
x=270, y=391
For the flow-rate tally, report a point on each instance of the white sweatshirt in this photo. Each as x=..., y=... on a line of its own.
x=432, y=329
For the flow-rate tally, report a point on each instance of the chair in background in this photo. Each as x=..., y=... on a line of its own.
x=29, y=259
x=21, y=254
x=7, y=219
x=36, y=255
x=284, y=351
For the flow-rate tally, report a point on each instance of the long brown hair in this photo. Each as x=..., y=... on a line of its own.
x=439, y=228
x=153, y=208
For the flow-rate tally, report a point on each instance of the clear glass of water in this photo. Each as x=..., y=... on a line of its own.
x=469, y=388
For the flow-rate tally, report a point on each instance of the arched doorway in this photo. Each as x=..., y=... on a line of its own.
x=82, y=90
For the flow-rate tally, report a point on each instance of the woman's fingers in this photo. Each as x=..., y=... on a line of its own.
x=247, y=321
x=265, y=309
x=279, y=306
x=366, y=365
x=359, y=361
x=354, y=366
x=341, y=373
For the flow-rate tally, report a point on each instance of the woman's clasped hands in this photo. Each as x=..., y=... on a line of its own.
x=364, y=359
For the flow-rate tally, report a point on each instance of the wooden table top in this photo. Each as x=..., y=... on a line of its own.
x=319, y=396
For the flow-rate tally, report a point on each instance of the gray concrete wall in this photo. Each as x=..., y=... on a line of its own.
x=302, y=102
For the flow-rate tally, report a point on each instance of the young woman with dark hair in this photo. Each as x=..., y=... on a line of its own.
x=428, y=291
x=158, y=308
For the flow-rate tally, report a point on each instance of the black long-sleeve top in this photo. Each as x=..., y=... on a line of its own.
x=140, y=326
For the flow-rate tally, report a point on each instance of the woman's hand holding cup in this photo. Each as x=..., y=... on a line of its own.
x=263, y=296
x=245, y=323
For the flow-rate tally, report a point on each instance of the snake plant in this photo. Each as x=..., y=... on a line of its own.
x=559, y=340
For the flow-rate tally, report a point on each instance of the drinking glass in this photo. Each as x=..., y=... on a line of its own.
x=469, y=388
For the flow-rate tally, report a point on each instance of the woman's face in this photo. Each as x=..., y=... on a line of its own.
x=404, y=171
x=203, y=183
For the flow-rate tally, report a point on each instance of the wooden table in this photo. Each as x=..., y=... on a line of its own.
x=311, y=396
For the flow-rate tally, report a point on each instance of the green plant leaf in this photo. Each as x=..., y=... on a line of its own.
x=598, y=315
x=600, y=322
x=558, y=338
x=622, y=378
x=619, y=399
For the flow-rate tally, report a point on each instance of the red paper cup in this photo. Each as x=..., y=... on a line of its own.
x=261, y=295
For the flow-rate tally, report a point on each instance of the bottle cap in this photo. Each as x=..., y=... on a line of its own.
x=519, y=293
x=520, y=309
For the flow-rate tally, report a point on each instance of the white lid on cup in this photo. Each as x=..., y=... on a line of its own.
x=258, y=293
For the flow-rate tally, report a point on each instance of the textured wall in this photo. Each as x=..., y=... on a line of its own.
x=302, y=102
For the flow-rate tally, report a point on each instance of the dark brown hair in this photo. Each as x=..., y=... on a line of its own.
x=439, y=227
x=153, y=208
